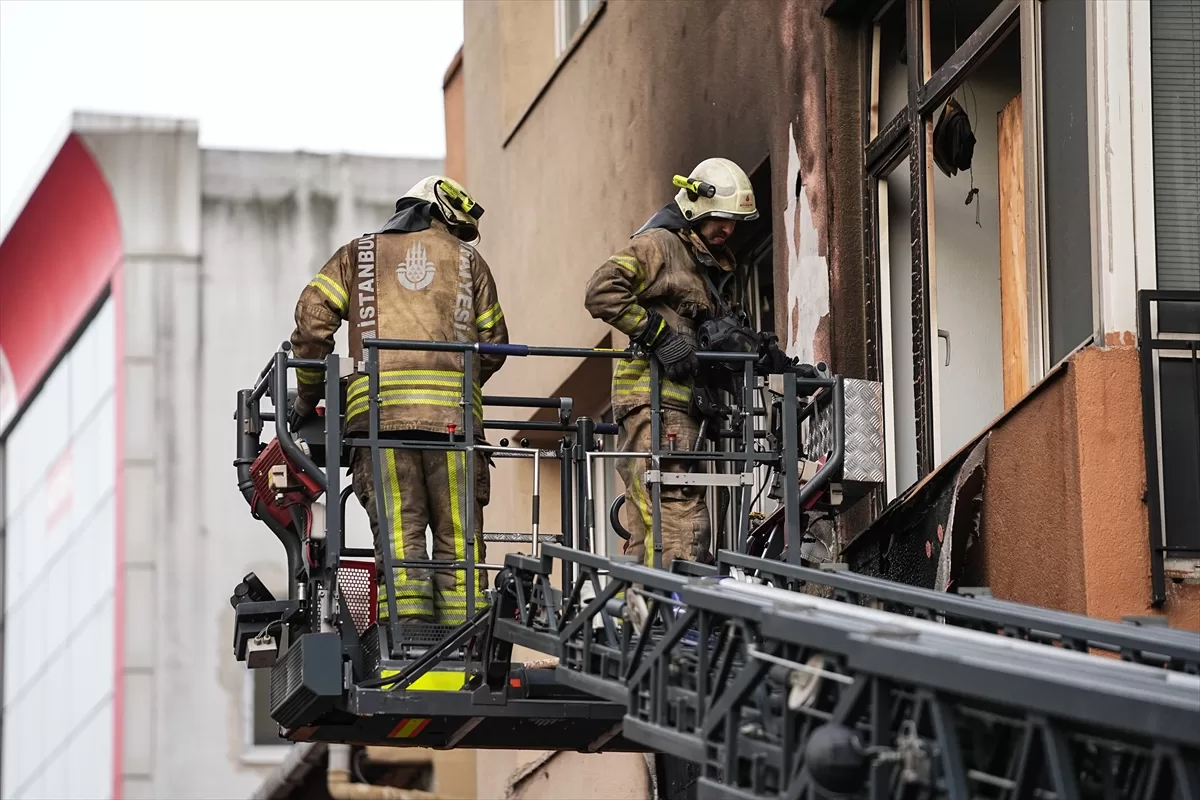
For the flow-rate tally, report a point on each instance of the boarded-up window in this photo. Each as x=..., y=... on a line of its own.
x=1175, y=73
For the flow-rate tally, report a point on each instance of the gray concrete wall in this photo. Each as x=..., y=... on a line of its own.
x=269, y=221
x=153, y=170
x=218, y=246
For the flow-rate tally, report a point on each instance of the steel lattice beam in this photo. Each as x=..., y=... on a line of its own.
x=748, y=681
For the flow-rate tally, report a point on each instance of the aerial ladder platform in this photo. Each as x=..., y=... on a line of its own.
x=776, y=678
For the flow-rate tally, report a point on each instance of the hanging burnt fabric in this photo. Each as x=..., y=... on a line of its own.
x=953, y=141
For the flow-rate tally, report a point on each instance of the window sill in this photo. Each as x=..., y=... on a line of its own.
x=580, y=34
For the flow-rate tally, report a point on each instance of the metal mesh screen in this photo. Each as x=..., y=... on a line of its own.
x=356, y=579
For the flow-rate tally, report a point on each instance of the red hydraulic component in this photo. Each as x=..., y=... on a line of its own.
x=279, y=486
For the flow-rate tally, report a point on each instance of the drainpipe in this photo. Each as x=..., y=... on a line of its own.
x=340, y=787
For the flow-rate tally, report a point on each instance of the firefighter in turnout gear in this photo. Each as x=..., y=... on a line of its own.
x=657, y=290
x=419, y=277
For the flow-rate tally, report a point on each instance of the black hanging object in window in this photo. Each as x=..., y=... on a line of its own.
x=953, y=141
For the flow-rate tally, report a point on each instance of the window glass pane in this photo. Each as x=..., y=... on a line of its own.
x=35, y=728
x=899, y=286
x=57, y=778
x=103, y=546
x=92, y=756
x=13, y=757
x=55, y=707
x=46, y=416
x=893, y=64
x=92, y=644
x=14, y=655
x=14, y=559
x=92, y=365
x=58, y=599
x=571, y=18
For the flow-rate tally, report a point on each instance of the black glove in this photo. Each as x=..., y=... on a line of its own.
x=674, y=352
x=302, y=411
x=676, y=355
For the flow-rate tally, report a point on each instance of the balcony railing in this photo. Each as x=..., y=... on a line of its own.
x=1169, y=344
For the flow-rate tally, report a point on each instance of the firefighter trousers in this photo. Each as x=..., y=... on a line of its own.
x=686, y=527
x=415, y=490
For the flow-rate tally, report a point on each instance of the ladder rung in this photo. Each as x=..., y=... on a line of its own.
x=516, y=538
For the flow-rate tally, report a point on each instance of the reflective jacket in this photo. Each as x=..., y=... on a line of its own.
x=660, y=269
x=424, y=285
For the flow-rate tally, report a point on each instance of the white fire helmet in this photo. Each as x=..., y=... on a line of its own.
x=717, y=187
x=458, y=209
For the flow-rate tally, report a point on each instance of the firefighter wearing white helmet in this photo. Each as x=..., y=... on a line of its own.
x=457, y=209
x=418, y=277
x=672, y=274
x=717, y=188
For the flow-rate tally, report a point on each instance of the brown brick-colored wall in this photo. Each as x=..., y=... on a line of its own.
x=1064, y=521
x=453, y=97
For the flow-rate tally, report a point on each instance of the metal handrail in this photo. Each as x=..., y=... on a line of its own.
x=574, y=452
x=1151, y=343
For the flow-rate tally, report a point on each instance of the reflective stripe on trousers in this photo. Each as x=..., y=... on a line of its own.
x=420, y=490
x=632, y=377
x=686, y=527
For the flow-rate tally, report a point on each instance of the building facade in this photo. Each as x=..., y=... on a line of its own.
x=145, y=281
x=993, y=283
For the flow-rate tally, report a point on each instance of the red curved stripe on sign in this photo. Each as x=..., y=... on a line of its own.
x=55, y=261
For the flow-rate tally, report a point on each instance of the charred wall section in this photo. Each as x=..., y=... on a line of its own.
x=650, y=90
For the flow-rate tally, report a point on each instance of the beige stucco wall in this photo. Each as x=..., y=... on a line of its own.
x=651, y=90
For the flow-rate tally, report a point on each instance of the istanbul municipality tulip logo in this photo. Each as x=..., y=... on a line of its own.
x=416, y=270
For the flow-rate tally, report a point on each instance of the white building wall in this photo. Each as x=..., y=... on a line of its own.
x=218, y=246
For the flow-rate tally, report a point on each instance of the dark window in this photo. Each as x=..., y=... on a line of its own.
x=1179, y=381
x=1175, y=75
x=1067, y=203
x=1170, y=362
x=751, y=244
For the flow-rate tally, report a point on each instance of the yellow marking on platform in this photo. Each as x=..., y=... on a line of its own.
x=432, y=681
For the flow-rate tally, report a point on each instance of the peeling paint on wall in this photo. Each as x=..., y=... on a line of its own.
x=808, y=270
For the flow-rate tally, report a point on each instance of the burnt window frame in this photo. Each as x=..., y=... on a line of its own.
x=885, y=145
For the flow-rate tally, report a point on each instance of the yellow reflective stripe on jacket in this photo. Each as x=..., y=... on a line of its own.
x=411, y=397
x=490, y=318
x=634, y=268
x=330, y=288
x=630, y=319
x=410, y=379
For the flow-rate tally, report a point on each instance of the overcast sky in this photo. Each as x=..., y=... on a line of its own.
x=361, y=77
